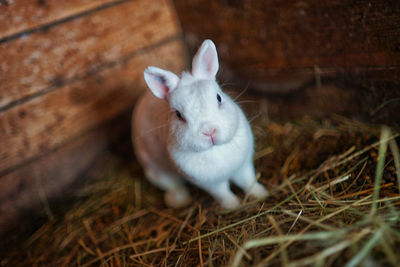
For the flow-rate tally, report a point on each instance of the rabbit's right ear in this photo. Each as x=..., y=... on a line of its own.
x=205, y=62
x=160, y=82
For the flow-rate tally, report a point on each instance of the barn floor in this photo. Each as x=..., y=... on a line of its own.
x=325, y=208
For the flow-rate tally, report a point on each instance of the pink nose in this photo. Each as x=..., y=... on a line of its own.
x=211, y=133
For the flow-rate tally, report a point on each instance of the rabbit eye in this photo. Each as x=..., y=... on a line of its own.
x=219, y=98
x=179, y=115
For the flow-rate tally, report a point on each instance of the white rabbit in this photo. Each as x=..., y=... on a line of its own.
x=195, y=132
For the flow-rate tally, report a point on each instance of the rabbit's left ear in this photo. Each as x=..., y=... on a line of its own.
x=205, y=62
x=161, y=82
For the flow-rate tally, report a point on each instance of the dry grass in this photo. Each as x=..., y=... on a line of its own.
x=334, y=202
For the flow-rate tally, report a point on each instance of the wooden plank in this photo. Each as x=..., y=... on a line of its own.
x=25, y=188
x=39, y=62
x=38, y=126
x=24, y=15
x=277, y=45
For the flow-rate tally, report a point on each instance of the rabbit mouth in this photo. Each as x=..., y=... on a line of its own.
x=211, y=136
x=212, y=140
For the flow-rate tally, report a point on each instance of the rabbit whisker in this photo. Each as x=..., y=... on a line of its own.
x=152, y=130
x=246, y=101
x=255, y=117
x=242, y=92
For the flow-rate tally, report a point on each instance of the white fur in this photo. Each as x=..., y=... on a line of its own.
x=210, y=146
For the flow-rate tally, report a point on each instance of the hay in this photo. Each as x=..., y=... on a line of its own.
x=334, y=201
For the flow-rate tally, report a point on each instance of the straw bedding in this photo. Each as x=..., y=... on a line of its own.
x=334, y=200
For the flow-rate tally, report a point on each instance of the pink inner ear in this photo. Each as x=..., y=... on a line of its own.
x=165, y=90
x=161, y=83
x=208, y=58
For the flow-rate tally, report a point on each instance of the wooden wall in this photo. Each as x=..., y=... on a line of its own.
x=307, y=57
x=67, y=70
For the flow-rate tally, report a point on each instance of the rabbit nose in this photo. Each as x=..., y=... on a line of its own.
x=209, y=131
x=208, y=128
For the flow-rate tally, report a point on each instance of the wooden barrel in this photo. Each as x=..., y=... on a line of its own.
x=68, y=69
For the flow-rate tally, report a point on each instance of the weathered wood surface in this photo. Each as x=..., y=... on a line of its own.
x=66, y=71
x=37, y=62
x=266, y=37
x=282, y=47
x=37, y=126
x=25, y=15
